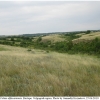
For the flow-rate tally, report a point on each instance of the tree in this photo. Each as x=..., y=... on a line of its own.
x=88, y=31
x=12, y=39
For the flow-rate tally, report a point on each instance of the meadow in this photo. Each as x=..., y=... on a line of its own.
x=40, y=73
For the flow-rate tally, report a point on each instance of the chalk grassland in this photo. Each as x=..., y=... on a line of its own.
x=37, y=73
x=90, y=36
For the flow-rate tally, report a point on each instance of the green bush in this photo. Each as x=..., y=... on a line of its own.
x=29, y=50
x=88, y=31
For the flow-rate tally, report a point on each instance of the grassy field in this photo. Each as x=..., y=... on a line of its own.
x=38, y=73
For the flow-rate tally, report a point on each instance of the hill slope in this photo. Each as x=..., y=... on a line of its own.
x=85, y=37
x=38, y=73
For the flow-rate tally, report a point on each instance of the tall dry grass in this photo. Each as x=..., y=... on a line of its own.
x=90, y=36
x=37, y=73
x=53, y=38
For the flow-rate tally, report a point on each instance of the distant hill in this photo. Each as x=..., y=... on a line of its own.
x=44, y=34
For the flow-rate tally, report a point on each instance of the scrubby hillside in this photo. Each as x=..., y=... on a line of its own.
x=74, y=42
x=39, y=73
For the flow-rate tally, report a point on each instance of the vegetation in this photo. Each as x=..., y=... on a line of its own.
x=89, y=47
x=66, y=46
x=86, y=37
x=88, y=32
x=37, y=70
x=53, y=38
x=71, y=36
x=48, y=74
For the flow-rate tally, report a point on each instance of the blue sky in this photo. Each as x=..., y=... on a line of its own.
x=28, y=17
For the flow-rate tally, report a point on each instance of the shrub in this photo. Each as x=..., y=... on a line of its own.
x=47, y=51
x=29, y=50
x=88, y=31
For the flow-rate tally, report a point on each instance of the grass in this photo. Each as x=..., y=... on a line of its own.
x=2, y=48
x=38, y=73
x=54, y=38
x=90, y=36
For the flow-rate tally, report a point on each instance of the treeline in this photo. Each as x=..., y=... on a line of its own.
x=16, y=41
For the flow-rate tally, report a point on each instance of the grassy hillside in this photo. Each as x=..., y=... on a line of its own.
x=92, y=35
x=38, y=73
x=84, y=36
x=52, y=38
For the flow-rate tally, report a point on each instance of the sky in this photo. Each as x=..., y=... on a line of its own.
x=29, y=17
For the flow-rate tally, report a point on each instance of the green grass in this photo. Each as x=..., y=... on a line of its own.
x=38, y=73
x=3, y=49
